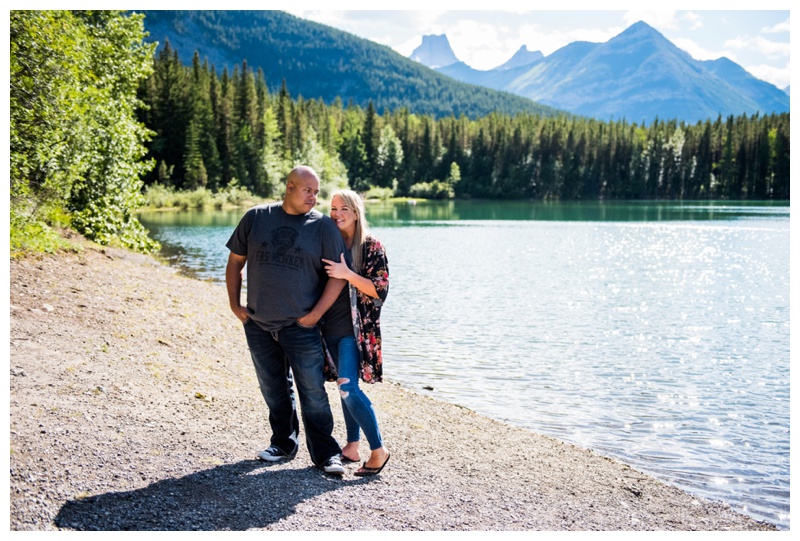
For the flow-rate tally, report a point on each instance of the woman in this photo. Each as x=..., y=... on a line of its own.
x=351, y=327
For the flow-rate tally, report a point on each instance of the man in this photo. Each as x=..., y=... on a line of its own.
x=288, y=291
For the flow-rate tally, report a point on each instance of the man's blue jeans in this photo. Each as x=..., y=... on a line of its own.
x=356, y=406
x=298, y=349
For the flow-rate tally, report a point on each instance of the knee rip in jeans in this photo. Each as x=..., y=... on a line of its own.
x=340, y=382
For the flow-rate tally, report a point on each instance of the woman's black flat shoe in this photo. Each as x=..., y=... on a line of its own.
x=364, y=471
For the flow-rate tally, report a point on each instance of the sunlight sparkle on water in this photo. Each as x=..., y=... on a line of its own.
x=720, y=443
x=620, y=336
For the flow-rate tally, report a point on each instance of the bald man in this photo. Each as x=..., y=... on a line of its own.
x=288, y=291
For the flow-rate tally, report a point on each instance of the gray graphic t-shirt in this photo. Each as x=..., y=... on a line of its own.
x=285, y=273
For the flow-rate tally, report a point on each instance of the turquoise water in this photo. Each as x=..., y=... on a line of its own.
x=654, y=333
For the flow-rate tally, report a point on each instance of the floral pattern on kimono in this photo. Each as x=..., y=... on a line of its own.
x=366, y=310
x=366, y=314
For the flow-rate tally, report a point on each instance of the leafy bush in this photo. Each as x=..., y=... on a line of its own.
x=158, y=196
x=234, y=195
x=75, y=140
x=198, y=199
x=39, y=232
x=379, y=193
x=432, y=190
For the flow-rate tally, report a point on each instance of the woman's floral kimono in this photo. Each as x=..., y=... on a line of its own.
x=366, y=312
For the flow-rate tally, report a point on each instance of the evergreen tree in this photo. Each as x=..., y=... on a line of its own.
x=780, y=161
x=201, y=157
x=169, y=111
x=285, y=117
x=370, y=138
x=352, y=152
x=246, y=151
x=222, y=104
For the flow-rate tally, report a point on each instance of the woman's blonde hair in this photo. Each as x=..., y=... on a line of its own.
x=354, y=201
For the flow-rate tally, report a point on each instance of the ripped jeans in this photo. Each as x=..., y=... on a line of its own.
x=356, y=407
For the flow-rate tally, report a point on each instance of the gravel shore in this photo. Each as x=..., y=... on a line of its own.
x=134, y=406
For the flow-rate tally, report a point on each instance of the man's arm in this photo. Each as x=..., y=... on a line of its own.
x=233, y=282
x=329, y=295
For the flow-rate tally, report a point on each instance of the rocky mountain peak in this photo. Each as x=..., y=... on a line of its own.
x=434, y=52
x=522, y=57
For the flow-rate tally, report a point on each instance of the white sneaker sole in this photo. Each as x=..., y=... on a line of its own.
x=272, y=458
x=337, y=470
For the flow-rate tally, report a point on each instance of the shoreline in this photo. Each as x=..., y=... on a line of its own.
x=134, y=405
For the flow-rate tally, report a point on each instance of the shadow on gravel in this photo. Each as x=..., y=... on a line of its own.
x=247, y=494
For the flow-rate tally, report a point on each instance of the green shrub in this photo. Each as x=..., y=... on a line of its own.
x=432, y=190
x=37, y=230
x=159, y=196
x=37, y=237
x=379, y=193
x=234, y=195
x=198, y=199
x=76, y=143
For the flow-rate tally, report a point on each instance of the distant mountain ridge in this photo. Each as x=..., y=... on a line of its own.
x=434, y=52
x=523, y=57
x=638, y=75
x=318, y=61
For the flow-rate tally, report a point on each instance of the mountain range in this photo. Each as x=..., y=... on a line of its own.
x=638, y=75
x=320, y=62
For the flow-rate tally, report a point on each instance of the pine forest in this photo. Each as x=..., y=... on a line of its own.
x=216, y=129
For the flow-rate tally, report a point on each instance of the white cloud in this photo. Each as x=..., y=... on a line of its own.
x=777, y=76
x=695, y=21
x=772, y=49
x=407, y=47
x=481, y=45
x=777, y=28
x=700, y=53
x=395, y=29
x=548, y=40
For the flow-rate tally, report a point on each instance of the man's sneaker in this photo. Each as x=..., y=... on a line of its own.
x=333, y=465
x=273, y=454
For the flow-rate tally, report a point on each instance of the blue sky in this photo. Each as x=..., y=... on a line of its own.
x=758, y=40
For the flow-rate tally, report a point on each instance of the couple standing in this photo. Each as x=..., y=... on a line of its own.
x=300, y=285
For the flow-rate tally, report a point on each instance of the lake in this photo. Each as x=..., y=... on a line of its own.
x=654, y=333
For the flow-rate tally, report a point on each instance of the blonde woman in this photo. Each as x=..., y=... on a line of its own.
x=351, y=327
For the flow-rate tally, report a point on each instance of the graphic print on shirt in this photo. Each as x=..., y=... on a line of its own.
x=281, y=251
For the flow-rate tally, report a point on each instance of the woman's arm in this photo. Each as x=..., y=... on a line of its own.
x=342, y=271
x=375, y=281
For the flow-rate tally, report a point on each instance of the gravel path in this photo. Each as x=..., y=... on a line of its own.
x=134, y=406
